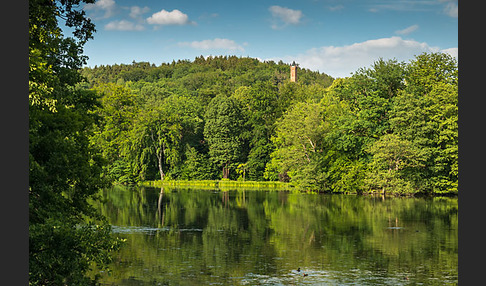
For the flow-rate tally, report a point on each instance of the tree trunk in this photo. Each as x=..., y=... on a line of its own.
x=225, y=171
x=159, y=155
x=159, y=158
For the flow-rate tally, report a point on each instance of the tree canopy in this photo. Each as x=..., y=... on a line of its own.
x=317, y=133
x=67, y=237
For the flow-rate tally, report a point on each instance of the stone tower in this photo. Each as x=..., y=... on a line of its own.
x=293, y=72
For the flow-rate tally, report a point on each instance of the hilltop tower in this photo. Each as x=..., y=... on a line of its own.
x=293, y=72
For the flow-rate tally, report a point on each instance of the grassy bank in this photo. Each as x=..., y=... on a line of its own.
x=220, y=184
x=226, y=185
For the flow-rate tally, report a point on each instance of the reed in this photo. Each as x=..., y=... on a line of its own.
x=220, y=184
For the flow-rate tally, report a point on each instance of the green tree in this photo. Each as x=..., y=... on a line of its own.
x=119, y=107
x=366, y=99
x=369, y=93
x=67, y=237
x=222, y=130
x=428, y=69
x=197, y=166
x=426, y=113
x=392, y=158
x=301, y=143
x=160, y=132
x=260, y=103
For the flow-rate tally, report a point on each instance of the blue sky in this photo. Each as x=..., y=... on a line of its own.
x=332, y=36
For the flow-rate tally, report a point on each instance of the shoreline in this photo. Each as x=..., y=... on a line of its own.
x=225, y=185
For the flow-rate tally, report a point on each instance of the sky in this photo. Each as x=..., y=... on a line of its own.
x=336, y=37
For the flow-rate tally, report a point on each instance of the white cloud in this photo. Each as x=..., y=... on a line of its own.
x=342, y=61
x=285, y=15
x=451, y=9
x=124, y=25
x=336, y=8
x=175, y=17
x=403, y=5
x=217, y=43
x=452, y=51
x=136, y=11
x=106, y=7
x=407, y=30
x=102, y=4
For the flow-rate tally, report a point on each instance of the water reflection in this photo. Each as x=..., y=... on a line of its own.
x=197, y=237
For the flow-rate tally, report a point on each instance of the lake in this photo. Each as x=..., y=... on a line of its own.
x=260, y=237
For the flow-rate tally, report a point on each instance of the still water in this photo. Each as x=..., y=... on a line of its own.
x=257, y=237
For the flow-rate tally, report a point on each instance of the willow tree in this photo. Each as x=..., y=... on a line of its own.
x=162, y=132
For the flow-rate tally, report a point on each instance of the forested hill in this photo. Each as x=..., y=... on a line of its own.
x=391, y=127
x=260, y=91
x=226, y=72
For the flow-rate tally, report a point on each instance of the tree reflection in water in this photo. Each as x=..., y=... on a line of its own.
x=253, y=237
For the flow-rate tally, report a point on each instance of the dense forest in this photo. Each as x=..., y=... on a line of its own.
x=391, y=127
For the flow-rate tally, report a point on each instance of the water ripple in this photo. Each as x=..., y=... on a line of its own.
x=150, y=230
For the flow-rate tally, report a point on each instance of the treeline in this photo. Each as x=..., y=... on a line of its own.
x=390, y=128
x=204, y=72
